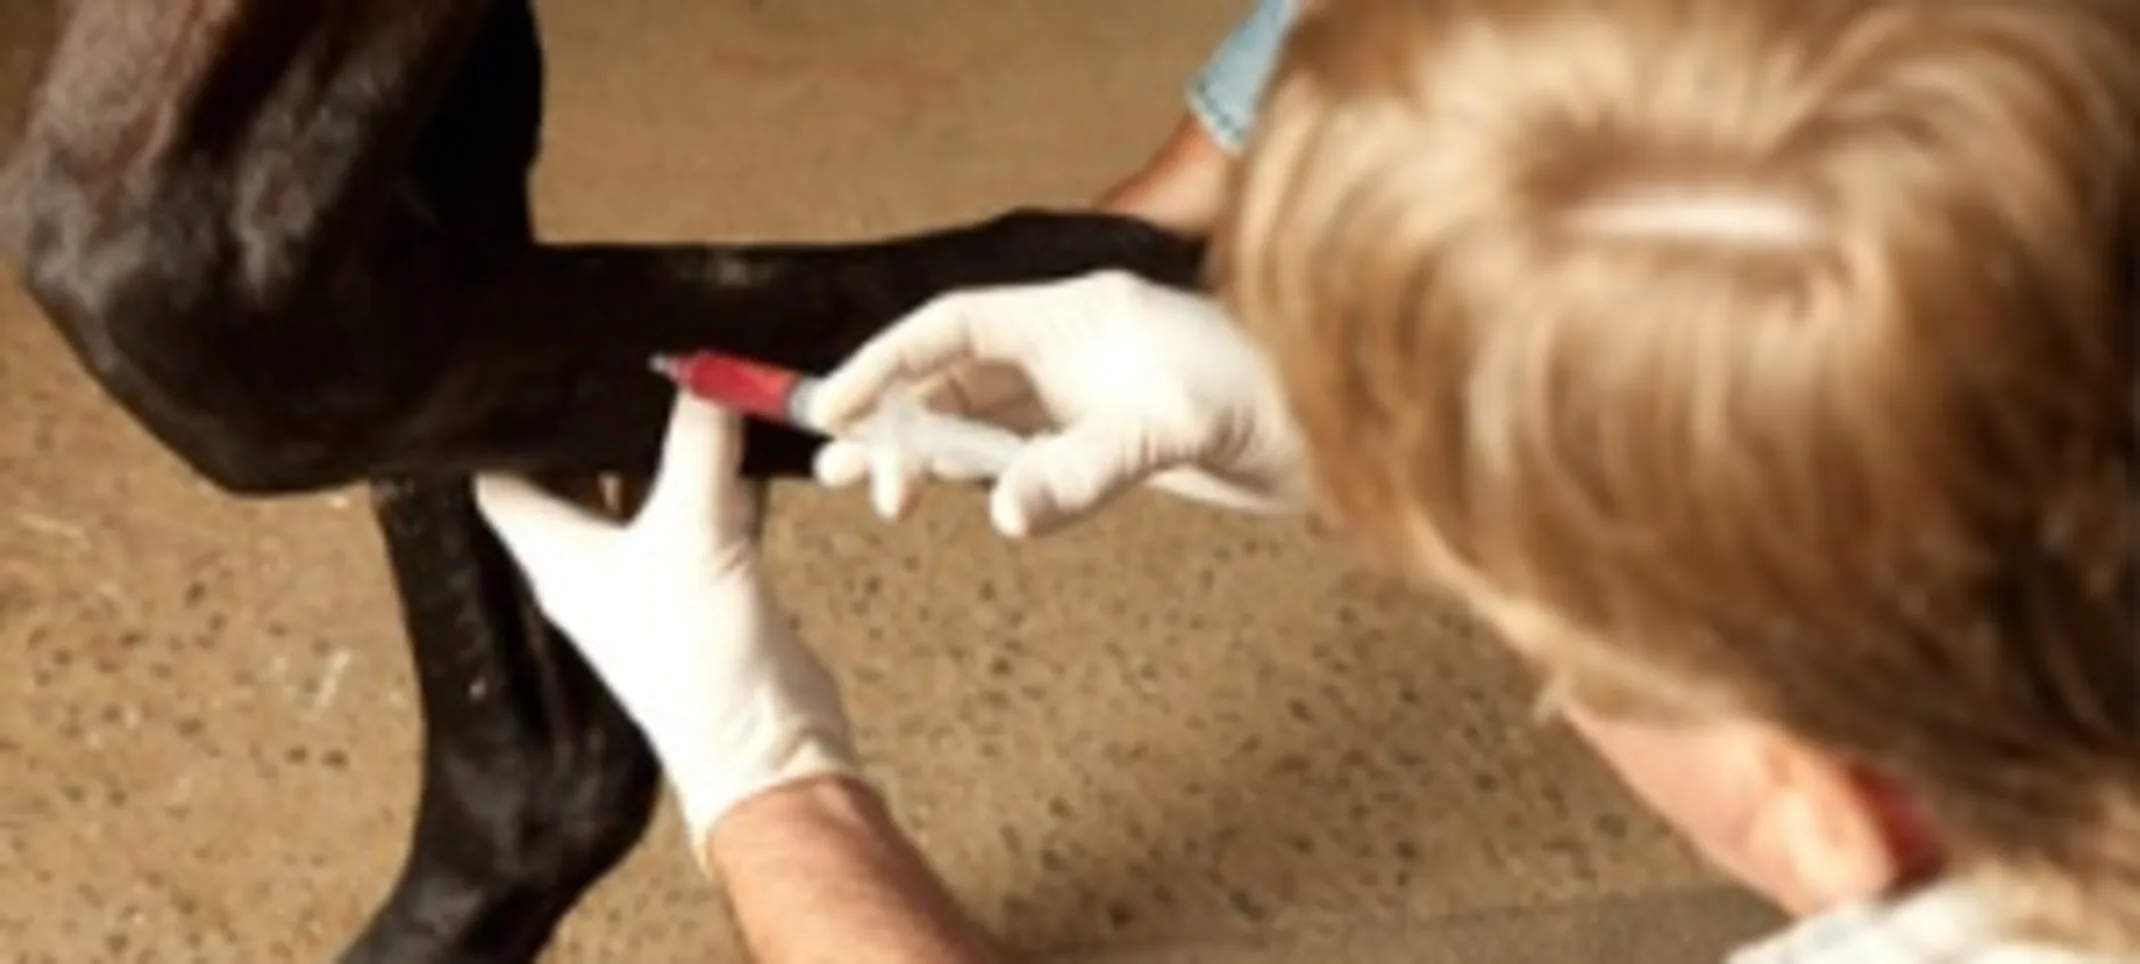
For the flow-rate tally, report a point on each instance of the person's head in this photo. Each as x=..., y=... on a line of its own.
x=1764, y=370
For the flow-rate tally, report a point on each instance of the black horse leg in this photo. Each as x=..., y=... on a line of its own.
x=264, y=253
x=535, y=783
x=273, y=233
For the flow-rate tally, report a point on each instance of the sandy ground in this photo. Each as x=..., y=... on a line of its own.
x=1166, y=736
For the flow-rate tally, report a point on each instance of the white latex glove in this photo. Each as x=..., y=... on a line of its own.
x=1129, y=381
x=675, y=617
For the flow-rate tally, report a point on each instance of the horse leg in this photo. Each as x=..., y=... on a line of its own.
x=535, y=782
x=264, y=230
x=231, y=215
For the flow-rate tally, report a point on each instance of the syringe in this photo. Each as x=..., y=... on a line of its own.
x=782, y=395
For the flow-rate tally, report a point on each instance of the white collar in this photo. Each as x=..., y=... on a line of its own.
x=1942, y=924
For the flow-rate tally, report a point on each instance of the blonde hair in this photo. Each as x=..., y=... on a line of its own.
x=1777, y=356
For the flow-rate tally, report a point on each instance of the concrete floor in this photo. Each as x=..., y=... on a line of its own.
x=1166, y=736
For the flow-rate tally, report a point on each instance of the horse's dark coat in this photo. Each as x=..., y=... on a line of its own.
x=293, y=240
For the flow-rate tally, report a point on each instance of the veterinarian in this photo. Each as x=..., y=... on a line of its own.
x=1847, y=606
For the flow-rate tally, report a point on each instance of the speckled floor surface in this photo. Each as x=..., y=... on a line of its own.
x=1168, y=736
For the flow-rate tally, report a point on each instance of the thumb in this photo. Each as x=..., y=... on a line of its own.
x=1065, y=477
x=979, y=324
x=697, y=484
x=535, y=526
x=914, y=348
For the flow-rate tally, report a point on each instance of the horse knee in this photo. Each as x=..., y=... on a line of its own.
x=150, y=326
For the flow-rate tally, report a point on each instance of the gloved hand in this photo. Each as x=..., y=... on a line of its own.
x=674, y=616
x=1134, y=379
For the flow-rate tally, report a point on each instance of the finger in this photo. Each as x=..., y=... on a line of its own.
x=700, y=455
x=1066, y=477
x=839, y=465
x=953, y=327
x=1197, y=485
x=893, y=482
x=535, y=526
x=956, y=468
x=915, y=347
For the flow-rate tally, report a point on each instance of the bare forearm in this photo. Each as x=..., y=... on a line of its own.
x=1181, y=187
x=819, y=872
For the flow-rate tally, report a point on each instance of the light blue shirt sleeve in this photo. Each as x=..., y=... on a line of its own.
x=1224, y=96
